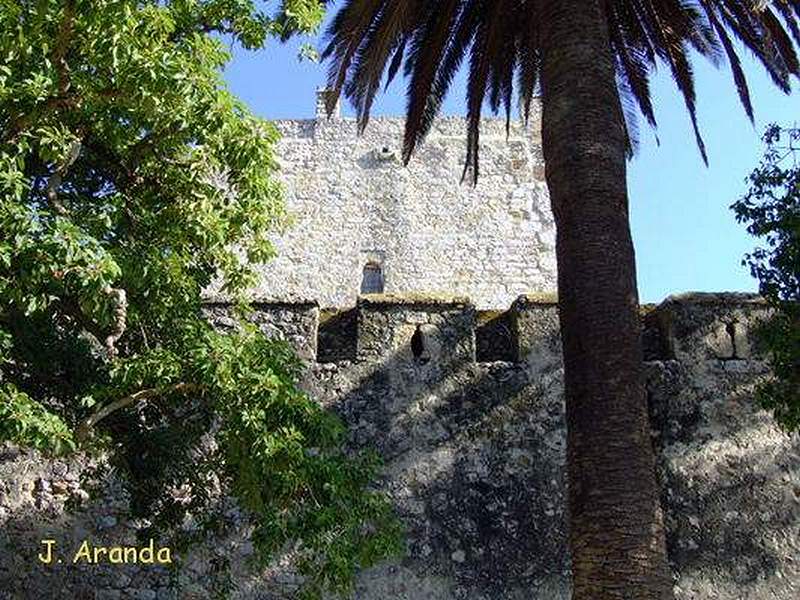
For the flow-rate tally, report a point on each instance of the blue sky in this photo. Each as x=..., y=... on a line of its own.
x=685, y=235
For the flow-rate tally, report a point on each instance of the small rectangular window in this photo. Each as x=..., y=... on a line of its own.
x=372, y=279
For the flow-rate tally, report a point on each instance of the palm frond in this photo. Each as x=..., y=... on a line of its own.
x=385, y=35
x=487, y=44
x=457, y=47
x=431, y=38
x=347, y=32
x=426, y=46
x=733, y=59
x=528, y=57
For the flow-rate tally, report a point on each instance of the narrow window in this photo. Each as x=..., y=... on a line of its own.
x=372, y=280
x=417, y=344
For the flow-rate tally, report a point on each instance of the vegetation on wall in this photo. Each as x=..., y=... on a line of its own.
x=771, y=210
x=130, y=180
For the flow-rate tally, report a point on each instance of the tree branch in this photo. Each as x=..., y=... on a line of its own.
x=119, y=302
x=22, y=122
x=54, y=181
x=70, y=308
x=119, y=312
x=59, y=59
x=82, y=431
x=61, y=47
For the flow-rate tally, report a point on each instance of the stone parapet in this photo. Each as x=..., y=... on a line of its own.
x=448, y=328
x=294, y=322
x=706, y=326
x=421, y=329
x=535, y=327
x=474, y=451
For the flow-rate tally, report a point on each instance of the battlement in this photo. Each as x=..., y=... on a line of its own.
x=442, y=331
x=337, y=126
x=466, y=408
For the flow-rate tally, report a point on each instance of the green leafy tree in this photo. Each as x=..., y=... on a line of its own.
x=771, y=209
x=131, y=180
x=591, y=60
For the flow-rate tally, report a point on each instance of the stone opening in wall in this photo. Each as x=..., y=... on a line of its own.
x=372, y=281
x=336, y=337
x=494, y=337
x=385, y=154
x=731, y=331
x=418, y=346
x=740, y=346
x=657, y=337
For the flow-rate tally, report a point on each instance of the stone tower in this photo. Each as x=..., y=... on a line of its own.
x=365, y=223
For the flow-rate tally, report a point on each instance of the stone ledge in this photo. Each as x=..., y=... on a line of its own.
x=440, y=121
x=714, y=298
x=537, y=299
x=256, y=301
x=413, y=298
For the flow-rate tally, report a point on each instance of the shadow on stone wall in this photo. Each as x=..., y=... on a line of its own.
x=482, y=497
x=336, y=341
x=730, y=481
x=47, y=500
x=474, y=463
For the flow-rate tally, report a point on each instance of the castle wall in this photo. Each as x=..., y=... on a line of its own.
x=474, y=456
x=354, y=203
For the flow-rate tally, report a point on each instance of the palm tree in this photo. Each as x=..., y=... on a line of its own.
x=591, y=60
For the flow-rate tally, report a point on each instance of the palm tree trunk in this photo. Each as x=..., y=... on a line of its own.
x=616, y=524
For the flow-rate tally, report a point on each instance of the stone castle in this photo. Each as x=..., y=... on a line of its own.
x=449, y=365
x=364, y=223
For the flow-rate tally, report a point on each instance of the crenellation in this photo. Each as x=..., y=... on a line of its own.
x=381, y=326
x=535, y=326
x=432, y=331
x=715, y=326
x=294, y=322
x=475, y=456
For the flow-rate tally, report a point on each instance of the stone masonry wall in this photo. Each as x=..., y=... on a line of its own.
x=474, y=460
x=353, y=203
